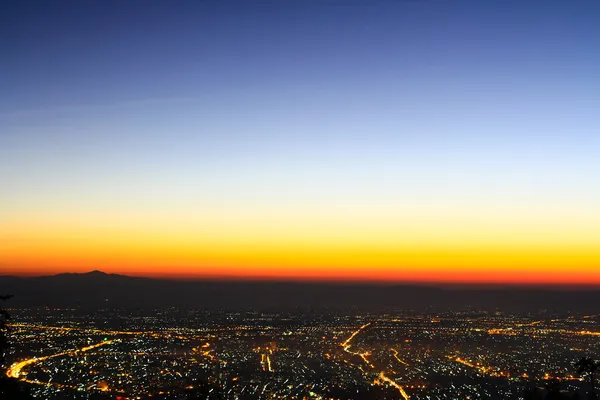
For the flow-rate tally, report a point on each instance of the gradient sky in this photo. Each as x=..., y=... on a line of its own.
x=389, y=140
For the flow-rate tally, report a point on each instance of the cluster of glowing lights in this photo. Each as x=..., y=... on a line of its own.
x=16, y=370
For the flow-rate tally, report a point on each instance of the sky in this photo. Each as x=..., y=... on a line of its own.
x=405, y=140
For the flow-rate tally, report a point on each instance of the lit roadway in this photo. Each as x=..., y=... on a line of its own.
x=382, y=376
x=346, y=344
x=394, y=384
x=269, y=364
x=15, y=370
x=265, y=360
x=397, y=358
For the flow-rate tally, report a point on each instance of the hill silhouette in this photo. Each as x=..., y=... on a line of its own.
x=99, y=289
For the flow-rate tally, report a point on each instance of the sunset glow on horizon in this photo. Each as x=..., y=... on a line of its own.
x=340, y=247
x=403, y=141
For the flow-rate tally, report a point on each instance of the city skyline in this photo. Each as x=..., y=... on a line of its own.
x=409, y=141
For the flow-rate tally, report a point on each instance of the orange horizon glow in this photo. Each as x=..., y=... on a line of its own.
x=529, y=246
x=583, y=275
x=226, y=258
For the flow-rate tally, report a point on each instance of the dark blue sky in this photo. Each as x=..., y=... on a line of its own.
x=72, y=53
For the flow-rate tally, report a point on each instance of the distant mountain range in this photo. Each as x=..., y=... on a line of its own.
x=98, y=289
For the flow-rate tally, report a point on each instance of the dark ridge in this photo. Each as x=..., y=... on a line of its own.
x=99, y=289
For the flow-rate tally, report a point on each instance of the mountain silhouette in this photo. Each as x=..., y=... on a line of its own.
x=99, y=289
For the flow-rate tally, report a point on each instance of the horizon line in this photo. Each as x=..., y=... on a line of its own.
x=325, y=280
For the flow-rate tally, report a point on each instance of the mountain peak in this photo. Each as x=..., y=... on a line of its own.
x=95, y=273
x=92, y=274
